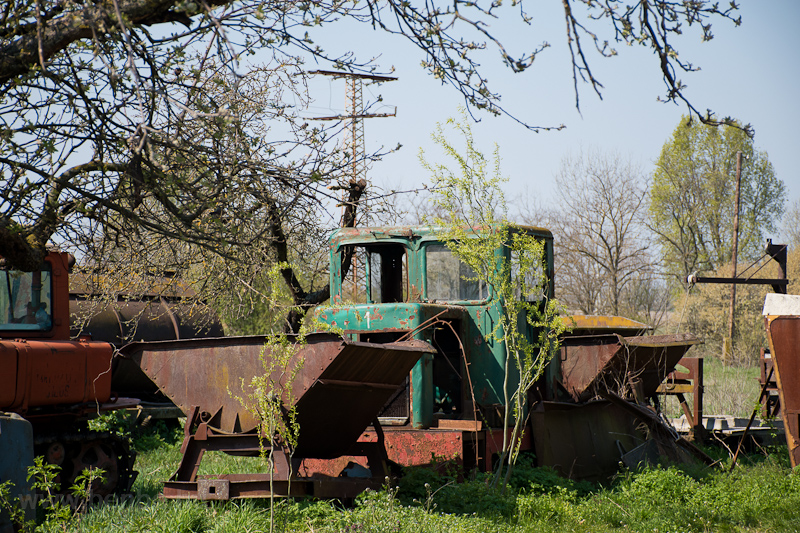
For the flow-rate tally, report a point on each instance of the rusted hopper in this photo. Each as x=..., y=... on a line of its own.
x=338, y=388
x=595, y=364
x=585, y=440
x=782, y=319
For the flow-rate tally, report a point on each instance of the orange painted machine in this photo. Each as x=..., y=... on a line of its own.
x=56, y=383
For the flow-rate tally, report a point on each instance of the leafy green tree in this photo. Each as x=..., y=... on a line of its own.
x=474, y=226
x=142, y=134
x=790, y=226
x=238, y=212
x=692, y=198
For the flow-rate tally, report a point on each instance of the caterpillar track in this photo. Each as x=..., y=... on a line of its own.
x=84, y=450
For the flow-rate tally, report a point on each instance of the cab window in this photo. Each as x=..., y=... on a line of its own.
x=448, y=279
x=376, y=273
x=26, y=300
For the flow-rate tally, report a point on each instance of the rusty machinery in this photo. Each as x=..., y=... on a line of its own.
x=415, y=376
x=335, y=386
x=56, y=383
x=58, y=371
x=408, y=283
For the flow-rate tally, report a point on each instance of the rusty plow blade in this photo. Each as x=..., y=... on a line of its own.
x=597, y=364
x=336, y=387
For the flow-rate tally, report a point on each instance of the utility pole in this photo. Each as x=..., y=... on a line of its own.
x=727, y=343
x=354, y=143
x=354, y=114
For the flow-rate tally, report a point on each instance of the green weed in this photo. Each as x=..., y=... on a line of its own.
x=762, y=494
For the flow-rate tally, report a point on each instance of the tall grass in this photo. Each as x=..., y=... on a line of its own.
x=762, y=495
x=728, y=390
x=732, y=390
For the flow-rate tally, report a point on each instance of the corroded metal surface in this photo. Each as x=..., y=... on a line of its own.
x=237, y=486
x=411, y=447
x=583, y=441
x=338, y=387
x=150, y=320
x=335, y=404
x=587, y=441
x=205, y=372
x=599, y=363
x=784, y=339
x=584, y=324
x=404, y=446
x=46, y=373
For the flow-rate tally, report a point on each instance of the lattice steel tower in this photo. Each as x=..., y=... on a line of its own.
x=354, y=114
x=355, y=140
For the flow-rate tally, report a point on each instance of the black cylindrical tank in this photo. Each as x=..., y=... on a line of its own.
x=128, y=321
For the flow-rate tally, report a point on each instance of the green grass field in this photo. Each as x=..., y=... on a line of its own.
x=762, y=494
x=729, y=390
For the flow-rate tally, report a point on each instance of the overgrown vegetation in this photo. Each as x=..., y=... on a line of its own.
x=58, y=511
x=762, y=494
x=728, y=390
x=474, y=226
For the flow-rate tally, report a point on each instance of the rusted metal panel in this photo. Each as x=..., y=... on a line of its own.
x=784, y=340
x=54, y=372
x=349, y=393
x=583, y=360
x=235, y=486
x=423, y=447
x=583, y=324
x=338, y=388
x=9, y=375
x=583, y=441
x=417, y=448
x=206, y=373
x=213, y=489
x=594, y=364
x=404, y=446
x=671, y=446
x=240, y=486
x=587, y=441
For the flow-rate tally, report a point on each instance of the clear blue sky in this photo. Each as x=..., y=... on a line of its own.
x=750, y=72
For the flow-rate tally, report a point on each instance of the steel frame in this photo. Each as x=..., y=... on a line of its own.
x=200, y=437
